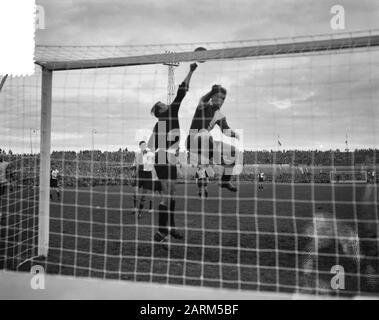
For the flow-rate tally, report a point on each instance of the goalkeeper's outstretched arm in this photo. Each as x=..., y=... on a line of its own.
x=187, y=79
x=183, y=88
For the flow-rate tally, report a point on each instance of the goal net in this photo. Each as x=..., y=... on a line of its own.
x=73, y=205
x=348, y=177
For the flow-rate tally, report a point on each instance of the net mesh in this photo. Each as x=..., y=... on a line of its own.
x=291, y=231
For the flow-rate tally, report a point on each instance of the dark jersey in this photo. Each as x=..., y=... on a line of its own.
x=203, y=119
x=166, y=130
x=204, y=115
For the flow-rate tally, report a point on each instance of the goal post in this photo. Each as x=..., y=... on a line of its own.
x=45, y=152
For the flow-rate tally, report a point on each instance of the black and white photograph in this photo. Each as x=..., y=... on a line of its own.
x=190, y=150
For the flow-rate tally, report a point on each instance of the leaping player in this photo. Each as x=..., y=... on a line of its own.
x=200, y=141
x=165, y=141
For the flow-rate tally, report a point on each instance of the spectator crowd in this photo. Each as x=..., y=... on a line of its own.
x=85, y=168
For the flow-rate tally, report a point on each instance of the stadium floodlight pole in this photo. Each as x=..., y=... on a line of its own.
x=44, y=178
x=31, y=142
x=31, y=131
x=171, y=79
x=3, y=81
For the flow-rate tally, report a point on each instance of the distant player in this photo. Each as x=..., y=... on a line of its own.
x=200, y=142
x=202, y=180
x=373, y=177
x=165, y=141
x=3, y=176
x=54, y=175
x=261, y=178
x=144, y=165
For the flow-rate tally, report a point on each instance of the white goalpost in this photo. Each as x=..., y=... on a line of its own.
x=278, y=242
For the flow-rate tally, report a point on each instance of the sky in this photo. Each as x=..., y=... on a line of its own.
x=307, y=102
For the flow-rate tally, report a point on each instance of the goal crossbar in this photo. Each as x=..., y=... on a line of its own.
x=273, y=48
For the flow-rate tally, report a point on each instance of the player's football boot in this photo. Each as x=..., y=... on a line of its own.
x=228, y=185
x=159, y=238
x=176, y=234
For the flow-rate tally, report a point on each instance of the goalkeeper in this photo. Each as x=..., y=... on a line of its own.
x=165, y=141
x=200, y=144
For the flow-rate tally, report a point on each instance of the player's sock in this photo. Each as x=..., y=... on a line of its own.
x=172, y=211
x=173, y=232
x=134, y=200
x=163, y=219
x=141, y=205
x=206, y=193
x=151, y=207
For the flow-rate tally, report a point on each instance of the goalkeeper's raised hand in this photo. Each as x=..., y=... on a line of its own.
x=193, y=67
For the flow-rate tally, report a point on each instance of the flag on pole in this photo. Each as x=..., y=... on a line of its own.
x=3, y=79
x=279, y=143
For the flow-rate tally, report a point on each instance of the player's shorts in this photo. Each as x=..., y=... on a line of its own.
x=166, y=172
x=53, y=183
x=202, y=183
x=260, y=179
x=157, y=187
x=144, y=179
